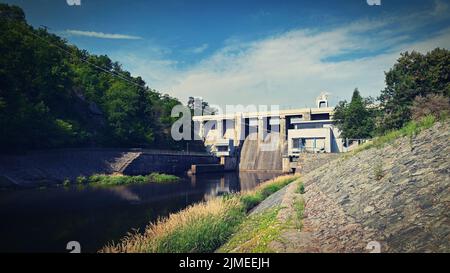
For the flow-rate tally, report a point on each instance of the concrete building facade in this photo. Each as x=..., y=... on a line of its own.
x=296, y=131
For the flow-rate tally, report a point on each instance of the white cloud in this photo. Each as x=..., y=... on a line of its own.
x=101, y=35
x=293, y=67
x=199, y=49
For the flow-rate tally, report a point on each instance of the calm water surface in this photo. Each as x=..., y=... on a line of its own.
x=44, y=220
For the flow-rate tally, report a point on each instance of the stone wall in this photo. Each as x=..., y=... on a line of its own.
x=50, y=167
x=398, y=195
x=167, y=163
x=311, y=161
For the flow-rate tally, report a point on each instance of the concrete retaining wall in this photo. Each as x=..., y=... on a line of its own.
x=166, y=163
x=50, y=167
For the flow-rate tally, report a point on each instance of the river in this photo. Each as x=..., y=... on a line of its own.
x=44, y=220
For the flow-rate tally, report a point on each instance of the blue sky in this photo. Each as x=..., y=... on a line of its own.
x=251, y=52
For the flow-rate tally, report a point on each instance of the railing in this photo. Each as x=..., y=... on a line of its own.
x=307, y=149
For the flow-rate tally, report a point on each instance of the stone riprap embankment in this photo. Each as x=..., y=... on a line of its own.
x=397, y=196
x=50, y=167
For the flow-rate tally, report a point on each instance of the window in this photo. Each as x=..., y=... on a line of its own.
x=298, y=143
x=222, y=148
x=324, y=116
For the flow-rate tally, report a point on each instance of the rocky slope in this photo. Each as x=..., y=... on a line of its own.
x=397, y=196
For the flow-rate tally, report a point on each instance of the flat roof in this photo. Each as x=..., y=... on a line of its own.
x=288, y=112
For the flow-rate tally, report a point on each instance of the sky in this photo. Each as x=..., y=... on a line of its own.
x=254, y=52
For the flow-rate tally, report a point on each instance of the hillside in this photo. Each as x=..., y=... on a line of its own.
x=55, y=95
x=397, y=195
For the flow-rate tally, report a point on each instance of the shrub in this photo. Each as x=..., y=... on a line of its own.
x=81, y=179
x=112, y=180
x=431, y=105
x=378, y=172
x=301, y=188
x=162, y=177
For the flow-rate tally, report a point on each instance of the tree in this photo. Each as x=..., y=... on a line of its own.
x=413, y=75
x=50, y=98
x=355, y=119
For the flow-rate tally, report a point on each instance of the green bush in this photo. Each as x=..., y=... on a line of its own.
x=81, y=179
x=301, y=188
x=113, y=180
x=378, y=172
x=66, y=182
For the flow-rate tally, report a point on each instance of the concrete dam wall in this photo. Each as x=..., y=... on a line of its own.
x=261, y=155
x=50, y=167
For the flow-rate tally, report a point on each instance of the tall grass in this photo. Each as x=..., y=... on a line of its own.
x=411, y=129
x=201, y=227
x=255, y=233
x=252, y=198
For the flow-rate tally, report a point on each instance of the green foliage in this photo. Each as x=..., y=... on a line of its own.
x=50, y=98
x=413, y=75
x=378, y=171
x=81, y=179
x=250, y=200
x=299, y=206
x=66, y=183
x=255, y=234
x=355, y=119
x=114, y=180
x=162, y=177
x=411, y=129
x=201, y=227
x=301, y=188
x=203, y=235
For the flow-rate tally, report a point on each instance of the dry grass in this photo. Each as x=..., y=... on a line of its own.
x=201, y=227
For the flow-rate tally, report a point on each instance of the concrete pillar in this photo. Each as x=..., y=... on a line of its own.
x=328, y=141
x=201, y=129
x=219, y=124
x=261, y=128
x=307, y=115
x=239, y=129
x=283, y=135
x=286, y=164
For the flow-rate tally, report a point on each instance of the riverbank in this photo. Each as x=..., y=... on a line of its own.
x=48, y=168
x=392, y=195
x=281, y=213
x=202, y=227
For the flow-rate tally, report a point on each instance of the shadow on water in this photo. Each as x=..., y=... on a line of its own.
x=34, y=220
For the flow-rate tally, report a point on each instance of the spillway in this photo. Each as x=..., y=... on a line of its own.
x=261, y=155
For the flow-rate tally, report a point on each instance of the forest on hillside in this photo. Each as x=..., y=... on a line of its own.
x=53, y=95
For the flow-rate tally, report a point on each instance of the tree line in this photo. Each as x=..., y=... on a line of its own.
x=53, y=95
x=417, y=85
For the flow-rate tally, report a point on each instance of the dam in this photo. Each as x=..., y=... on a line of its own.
x=270, y=140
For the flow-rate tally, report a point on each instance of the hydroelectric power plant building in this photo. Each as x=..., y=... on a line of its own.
x=270, y=140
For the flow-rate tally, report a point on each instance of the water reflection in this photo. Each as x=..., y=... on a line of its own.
x=45, y=220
